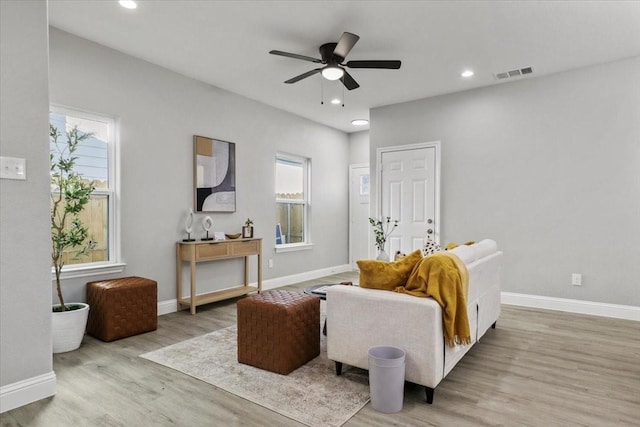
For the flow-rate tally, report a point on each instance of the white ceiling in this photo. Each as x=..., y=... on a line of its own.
x=226, y=43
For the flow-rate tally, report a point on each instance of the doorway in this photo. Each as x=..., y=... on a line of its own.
x=359, y=232
x=409, y=191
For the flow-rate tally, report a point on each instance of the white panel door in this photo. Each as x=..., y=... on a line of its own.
x=409, y=192
x=359, y=228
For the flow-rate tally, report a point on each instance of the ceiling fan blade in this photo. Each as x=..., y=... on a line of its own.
x=345, y=44
x=303, y=76
x=348, y=81
x=391, y=65
x=295, y=56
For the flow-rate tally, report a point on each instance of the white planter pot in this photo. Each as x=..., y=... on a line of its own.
x=68, y=327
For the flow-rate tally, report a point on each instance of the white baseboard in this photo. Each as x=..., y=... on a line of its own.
x=27, y=391
x=615, y=311
x=171, y=306
x=301, y=277
x=166, y=307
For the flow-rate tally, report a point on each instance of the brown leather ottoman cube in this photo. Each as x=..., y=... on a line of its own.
x=120, y=308
x=278, y=331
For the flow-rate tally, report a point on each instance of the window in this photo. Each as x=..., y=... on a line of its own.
x=292, y=202
x=95, y=162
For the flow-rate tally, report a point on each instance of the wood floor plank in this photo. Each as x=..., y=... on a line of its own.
x=537, y=368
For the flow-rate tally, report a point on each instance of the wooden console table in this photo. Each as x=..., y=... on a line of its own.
x=214, y=250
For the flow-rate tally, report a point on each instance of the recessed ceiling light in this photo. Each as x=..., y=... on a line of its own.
x=467, y=73
x=129, y=4
x=332, y=73
x=335, y=101
x=360, y=122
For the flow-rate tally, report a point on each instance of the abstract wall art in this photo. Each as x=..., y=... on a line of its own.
x=214, y=175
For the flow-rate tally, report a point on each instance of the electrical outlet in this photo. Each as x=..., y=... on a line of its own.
x=270, y=262
x=576, y=279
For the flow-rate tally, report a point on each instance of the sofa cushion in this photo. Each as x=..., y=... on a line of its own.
x=384, y=275
x=485, y=248
x=466, y=253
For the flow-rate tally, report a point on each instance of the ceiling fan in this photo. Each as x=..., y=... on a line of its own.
x=333, y=55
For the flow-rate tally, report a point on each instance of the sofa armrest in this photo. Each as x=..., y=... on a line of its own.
x=359, y=318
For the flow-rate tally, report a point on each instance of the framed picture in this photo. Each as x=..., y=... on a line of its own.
x=214, y=175
x=247, y=232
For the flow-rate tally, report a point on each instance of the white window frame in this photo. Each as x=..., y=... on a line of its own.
x=114, y=263
x=306, y=162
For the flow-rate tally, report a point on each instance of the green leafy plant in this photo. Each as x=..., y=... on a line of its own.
x=382, y=228
x=248, y=223
x=70, y=193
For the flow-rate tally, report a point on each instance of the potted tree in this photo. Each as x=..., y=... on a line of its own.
x=70, y=193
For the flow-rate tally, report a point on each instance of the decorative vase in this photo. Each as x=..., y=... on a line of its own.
x=382, y=256
x=68, y=327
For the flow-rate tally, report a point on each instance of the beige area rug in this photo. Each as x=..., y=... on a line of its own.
x=312, y=394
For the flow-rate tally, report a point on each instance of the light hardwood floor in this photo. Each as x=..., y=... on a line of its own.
x=537, y=368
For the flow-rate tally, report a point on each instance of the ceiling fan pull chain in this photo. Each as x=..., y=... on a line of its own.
x=342, y=96
x=321, y=92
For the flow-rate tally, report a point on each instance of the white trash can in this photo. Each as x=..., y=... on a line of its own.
x=386, y=378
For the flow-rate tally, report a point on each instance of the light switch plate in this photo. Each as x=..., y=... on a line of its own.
x=13, y=168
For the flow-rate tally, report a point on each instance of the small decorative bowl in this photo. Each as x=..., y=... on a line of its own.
x=232, y=236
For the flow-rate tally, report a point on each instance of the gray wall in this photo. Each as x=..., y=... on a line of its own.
x=359, y=147
x=549, y=167
x=25, y=275
x=159, y=112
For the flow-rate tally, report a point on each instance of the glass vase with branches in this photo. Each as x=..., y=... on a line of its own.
x=382, y=228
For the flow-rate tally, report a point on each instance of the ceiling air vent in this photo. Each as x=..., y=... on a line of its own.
x=513, y=73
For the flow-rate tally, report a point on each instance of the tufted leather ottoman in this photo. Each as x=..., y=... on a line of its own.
x=122, y=307
x=278, y=331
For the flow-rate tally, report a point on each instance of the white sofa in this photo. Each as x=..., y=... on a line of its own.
x=359, y=318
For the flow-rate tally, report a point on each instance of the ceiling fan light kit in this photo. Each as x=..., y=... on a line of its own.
x=332, y=73
x=333, y=56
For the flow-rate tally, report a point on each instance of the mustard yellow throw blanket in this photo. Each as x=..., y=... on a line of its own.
x=444, y=277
